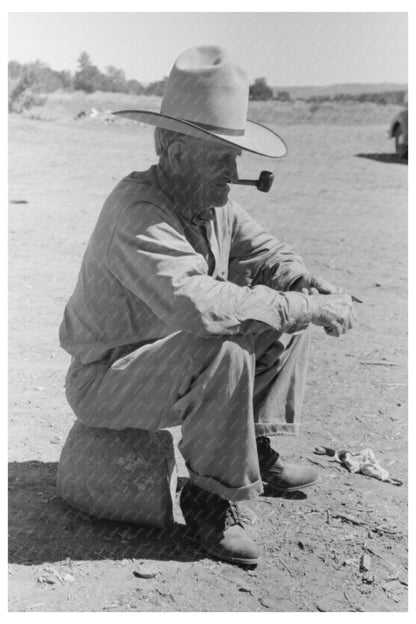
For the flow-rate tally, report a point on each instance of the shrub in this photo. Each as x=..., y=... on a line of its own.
x=314, y=108
x=156, y=88
x=115, y=80
x=22, y=97
x=135, y=87
x=260, y=90
x=382, y=98
x=282, y=96
x=38, y=76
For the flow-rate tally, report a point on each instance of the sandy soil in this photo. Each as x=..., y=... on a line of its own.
x=340, y=199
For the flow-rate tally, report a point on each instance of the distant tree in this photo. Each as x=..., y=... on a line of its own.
x=17, y=87
x=116, y=80
x=156, y=88
x=283, y=96
x=38, y=76
x=135, y=87
x=27, y=82
x=84, y=61
x=42, y=78
x=88, y=78
x=66, y=79
x=260, y=90
x=382, y=98
x=318, y=99
x=15, y=70
x=21, y=96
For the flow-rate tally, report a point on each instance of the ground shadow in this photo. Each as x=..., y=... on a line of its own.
x=269, y=492
x=385, y=158
x=43, y=528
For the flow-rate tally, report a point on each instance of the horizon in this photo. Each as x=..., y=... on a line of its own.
x=288, y=49
x=299, y=86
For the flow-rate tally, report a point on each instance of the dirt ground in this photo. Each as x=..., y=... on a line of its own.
x=340, y=198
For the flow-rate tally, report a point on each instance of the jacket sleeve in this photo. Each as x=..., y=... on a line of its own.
x=153, y=259
x=257, y=257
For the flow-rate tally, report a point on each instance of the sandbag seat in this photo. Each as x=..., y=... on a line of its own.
x=127, y=475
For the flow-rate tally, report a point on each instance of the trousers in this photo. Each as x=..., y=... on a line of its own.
x=222, y=390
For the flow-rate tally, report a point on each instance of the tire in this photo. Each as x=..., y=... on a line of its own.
x=400, y=145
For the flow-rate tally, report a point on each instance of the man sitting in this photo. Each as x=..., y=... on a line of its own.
x=187, y=312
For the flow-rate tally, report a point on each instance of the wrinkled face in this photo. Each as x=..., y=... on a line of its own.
x=207, y=169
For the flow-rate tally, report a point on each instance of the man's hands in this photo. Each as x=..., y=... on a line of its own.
x=330, y=307
x=314, y=286
x=335, y=313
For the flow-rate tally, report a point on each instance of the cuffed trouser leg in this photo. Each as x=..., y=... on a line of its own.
x=281, y=366
x=218, y=437
x=205, y=385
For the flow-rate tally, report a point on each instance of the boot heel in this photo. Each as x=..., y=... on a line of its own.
x=192, y=526
x=192, y=529
x=215, y=525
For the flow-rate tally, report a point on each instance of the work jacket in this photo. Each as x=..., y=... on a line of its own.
x=151, y=269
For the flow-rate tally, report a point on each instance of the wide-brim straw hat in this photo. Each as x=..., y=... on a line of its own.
x=206, y=96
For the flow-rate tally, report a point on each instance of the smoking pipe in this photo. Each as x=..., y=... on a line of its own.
x=264, y=183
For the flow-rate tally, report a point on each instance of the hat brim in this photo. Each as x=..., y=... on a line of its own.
x=257, y=138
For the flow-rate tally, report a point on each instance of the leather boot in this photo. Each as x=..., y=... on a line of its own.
x=282, y=477
x=216, y=525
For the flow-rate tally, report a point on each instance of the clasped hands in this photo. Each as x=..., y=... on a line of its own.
x=330, y=307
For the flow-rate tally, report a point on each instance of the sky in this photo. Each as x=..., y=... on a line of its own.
x=288, y=49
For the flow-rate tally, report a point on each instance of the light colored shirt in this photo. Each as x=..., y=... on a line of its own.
x=151, y=269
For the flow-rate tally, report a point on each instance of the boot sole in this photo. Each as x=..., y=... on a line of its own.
x=295, y=488
x=196, y=539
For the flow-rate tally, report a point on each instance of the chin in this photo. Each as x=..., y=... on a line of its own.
x=221, y=204
x=221, y=198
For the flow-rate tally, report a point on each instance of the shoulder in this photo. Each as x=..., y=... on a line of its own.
x=137, y=188
x=135, y=203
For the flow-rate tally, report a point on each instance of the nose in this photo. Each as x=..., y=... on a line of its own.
x=233, y=170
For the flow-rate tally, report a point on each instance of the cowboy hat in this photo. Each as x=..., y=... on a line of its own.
x=206, y=96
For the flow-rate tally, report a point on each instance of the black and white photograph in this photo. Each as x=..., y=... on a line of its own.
x=208, y=310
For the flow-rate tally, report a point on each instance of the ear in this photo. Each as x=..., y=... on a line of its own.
x=176, y=154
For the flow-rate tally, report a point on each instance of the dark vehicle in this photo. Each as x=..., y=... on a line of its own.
x=398, y=130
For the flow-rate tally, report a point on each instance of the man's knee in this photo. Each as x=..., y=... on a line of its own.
x=234, y=350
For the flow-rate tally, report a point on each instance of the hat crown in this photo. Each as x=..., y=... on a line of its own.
x=208, y=88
